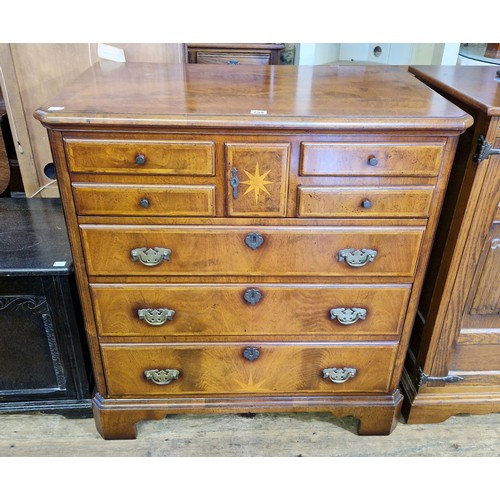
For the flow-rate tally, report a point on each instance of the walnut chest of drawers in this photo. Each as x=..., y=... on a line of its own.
x=249, y=238
x=453, y=364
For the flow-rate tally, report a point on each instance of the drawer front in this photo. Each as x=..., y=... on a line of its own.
x=141, y=157
x=114, y=199
x=189, y=369
x=318, y=201
x=278, y=251
x=249, y=310
x=232, y=58
x=370, y=159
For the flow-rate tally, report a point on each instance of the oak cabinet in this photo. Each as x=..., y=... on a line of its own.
x=218, y=269
x=454, y=357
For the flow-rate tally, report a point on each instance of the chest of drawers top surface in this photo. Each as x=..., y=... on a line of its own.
x=477, y=86
x=324, y=97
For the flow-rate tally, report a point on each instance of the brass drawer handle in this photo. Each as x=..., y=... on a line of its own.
x=254, y=240
x=355, y=257
x=150, y=256
x=339, y=375
x=156, y=317
x=348, y=315
x=162, y=377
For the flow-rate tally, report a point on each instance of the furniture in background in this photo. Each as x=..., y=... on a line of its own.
x=4, y=159
x=33, y=72
x=453, y=365
x=234, y=53
x=44, y=362
x=244, y=242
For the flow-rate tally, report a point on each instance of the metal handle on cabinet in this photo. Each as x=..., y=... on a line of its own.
x=348, y=315
x=144, y=203
x=156, y=317
x=233, y=61
x=151, y=256
x=234, y=181
x=366, y=204
x=140, y=159
x=339, y=375
x=357, y=257
x=372, y=160
x=162, y=377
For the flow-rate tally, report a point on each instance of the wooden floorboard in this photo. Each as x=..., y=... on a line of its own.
x=263, y=435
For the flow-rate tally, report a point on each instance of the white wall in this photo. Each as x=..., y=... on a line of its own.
x=391, y=53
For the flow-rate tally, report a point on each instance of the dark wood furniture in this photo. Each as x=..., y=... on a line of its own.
x=44, y=362
x=234, y=53
x=454, y=358
x=250, y=238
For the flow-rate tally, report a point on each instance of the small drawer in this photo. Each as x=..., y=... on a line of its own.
x=316, y=201
x=125, y=199
x=156, y=250
x=141, y=157
x=237, y=368
x=232, y=58
x=373, y=159
x=249, y=310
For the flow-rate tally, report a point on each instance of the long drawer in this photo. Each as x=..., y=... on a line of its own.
x=140, y=156
x=255, y=251
x=190, y=369
x=373, y=159
x=249, y=310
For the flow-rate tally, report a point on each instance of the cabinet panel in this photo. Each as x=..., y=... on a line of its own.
x=257, y=179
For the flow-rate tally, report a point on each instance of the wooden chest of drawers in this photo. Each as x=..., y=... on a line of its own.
x=234, y=53
x=454, y=360
x=250, y=239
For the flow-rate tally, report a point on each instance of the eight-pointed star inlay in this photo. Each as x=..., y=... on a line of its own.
x=256, y=182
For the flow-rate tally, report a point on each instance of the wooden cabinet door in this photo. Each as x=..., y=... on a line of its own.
x=257, y=179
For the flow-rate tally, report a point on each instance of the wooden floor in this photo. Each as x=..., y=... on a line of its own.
x=264, y=435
